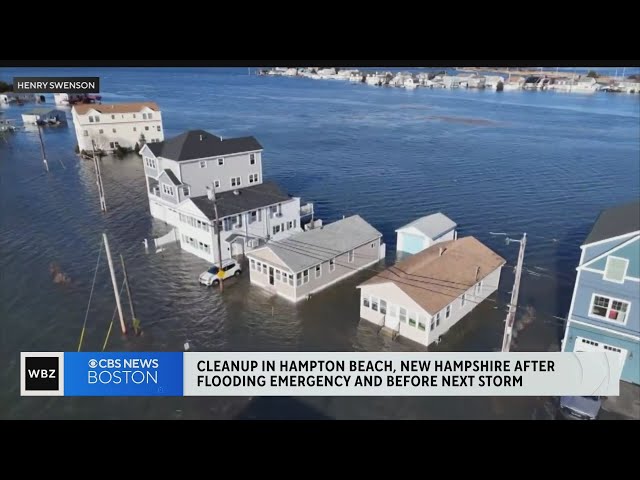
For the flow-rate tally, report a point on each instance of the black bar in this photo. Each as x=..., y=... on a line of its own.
x=56, y=84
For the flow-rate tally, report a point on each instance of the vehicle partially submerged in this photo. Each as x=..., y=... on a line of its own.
x=580, y=408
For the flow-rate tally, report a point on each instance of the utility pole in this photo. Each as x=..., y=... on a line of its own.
x=115, y=283
x=44, y=156
x=216, y=229
x=96, y=164
x=513, y=304
x=126, y=282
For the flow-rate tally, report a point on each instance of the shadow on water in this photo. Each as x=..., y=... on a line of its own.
x=279, y=408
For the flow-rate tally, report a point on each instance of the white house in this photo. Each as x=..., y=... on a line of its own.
x=422, y=297
x=185, y=173
x=424, y=232
x=117, y=124
x=302, y=264
x=16, y=97
x=41, y=116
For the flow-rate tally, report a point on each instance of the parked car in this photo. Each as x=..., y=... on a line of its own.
x=580, y=408
x=230, y=268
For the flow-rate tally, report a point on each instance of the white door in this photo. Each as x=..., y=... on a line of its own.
x=586, y=345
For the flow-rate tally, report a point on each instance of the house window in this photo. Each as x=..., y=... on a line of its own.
x=144, y=116
x=253, y=178
x=609, y=308
x=412, y=319
x=318, y=271
x=447, y=312
x=253, y=264
x=616, y=269
x=113, y=117
x=276, y=229
x=278, y=275
x=332, y=264
x=422, y=323
x=203, y=164
x=252, y=159
x=298, y=279
x=149, y=116
x=235, y=181
x=185, y=191
x=433, y=323
x=146, y=128
x=365, y=301
x=135, y=129
x=305, y=276
x=97, y=119
x=373, y=245
x=291, y=279
x=216, y=183
x=383, y=306
x=134, y=116
x=221, y=161
x=479, y=288
x=295, y=223
x=437, y=319
x=114, y=130
x=86, y=133
x=462, y=299
x=403, y=314
x=90, y=119
x=101, y=131
x=393, y=310
x=374, y=304
x=350, y=258
x=158, y=127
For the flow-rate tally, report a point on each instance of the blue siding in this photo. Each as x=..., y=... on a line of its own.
x=590, y=283
x=630, y=252
x=412, y=243
x=592, y=252
x=631, y=369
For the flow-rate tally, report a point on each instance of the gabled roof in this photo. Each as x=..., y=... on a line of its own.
x=196, y=144
x=172, y=176
x=247, y=199
x=433, y=226
x=105, y=108
x=304, y=250
x=615, y=221
x=432, y=280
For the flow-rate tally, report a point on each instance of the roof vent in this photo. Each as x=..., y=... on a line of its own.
x=441, y=251
x=236, y=192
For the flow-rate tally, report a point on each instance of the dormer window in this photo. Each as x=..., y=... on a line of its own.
x=185, y=191
x=221, y=161
x=144, y=116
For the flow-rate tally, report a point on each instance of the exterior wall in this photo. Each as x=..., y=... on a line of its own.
x=364, y=256
x=590, y=283
x=406, y=245
x=631, y=252
x=450, y=235
x=259, y=274
x=631, y=369
x=394, y=296
x=128, y=129
x=164, y=180
x=593, y=251
x=236, y=165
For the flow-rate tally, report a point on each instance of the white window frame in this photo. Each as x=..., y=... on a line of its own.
x=216, y=183
x=624, y=274
x=253, y=264
x=414, y=319
x=305, y=276
x=392, y=310
x=277, y=275
x=463, y=299
x=383, y=306
x=437, y=317
x=318, y=269
x=405, y=315
x=238, y=181
x=375, y=301
x=220, y=162
x=424, y=321
x=447, y=312
x=606, y=317
x=203, y=164
x=479, y=288
x=366, y=301
x=332, y=265
x=252, y=159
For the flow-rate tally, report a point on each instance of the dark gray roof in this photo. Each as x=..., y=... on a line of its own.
x=304, y=250
x=615, y=221
x=172, y=177
x=248, y=198
x=200, y=144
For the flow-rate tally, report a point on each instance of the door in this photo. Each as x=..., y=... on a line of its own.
x=271, y=280
x=586, y=345
x=412, y=243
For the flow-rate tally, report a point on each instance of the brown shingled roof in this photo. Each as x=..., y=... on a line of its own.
x=106, y=108
x=432, y=280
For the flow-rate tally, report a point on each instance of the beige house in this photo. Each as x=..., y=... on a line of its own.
x=308, y=262
x=422, y=297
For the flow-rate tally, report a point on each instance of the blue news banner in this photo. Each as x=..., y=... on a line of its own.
x=123, y=374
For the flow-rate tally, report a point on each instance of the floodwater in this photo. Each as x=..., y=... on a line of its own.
x=537, y=162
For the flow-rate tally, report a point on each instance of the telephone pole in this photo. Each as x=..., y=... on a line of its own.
x=114, y=281
x=216, y=229
x=44, y=155
x=96, y=164
x=513, y=304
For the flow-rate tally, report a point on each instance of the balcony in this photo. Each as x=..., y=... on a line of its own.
x=306, y=209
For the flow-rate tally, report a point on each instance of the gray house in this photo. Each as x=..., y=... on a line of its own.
x=424, y=232
x=308, y=262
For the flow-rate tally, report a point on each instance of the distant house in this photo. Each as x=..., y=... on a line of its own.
x=424, y=232
x=423, y=296
x=308, y=262
x=13, y=97
x=43, y=116
x=605, y=308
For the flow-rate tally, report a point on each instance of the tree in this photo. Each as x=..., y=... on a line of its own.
x=634, y=77
x=5, y=87
x=592, y=74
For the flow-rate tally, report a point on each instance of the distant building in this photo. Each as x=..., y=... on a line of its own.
x=605, y=308
x=422, y=297
x=13, y=97
x=43, y=116
x=308, y=262
x=117, y=124
x=424, y=232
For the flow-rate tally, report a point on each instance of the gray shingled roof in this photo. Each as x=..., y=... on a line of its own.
x=615, y=221
x=433, y=226
x=172, y=176
x=304, y=250
x=248, y=198
x=200, y=144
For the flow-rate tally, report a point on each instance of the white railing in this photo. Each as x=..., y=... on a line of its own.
x=306, y=209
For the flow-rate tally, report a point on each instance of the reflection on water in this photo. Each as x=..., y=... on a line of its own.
x=538, y=167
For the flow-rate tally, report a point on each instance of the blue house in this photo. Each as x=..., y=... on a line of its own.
x=605, y=308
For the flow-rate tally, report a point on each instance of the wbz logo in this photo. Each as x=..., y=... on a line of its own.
x=41, y=373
